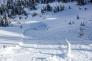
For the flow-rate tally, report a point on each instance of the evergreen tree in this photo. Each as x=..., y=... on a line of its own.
x=80, y=2
x=1, y=10
x=61, y=8
x=65, y=1
x=48, y=7
x=91, y=1
x=55, y=10
x=4, y=21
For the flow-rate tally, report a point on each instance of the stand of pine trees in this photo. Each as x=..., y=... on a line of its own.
x=55, y=9
x=83, y=2
x=80, y=2
x=16, y=7
x=91, y=1
x=13, y=8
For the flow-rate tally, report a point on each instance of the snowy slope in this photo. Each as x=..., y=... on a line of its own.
x=51, y=26
x=42, y=38
x=56, y=26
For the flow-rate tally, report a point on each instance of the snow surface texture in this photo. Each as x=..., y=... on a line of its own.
x=48, y=33
x=34, y=52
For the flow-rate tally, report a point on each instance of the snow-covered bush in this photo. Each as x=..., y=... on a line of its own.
x=34, y=14
x=71, y=22
x=48, y=7
x=81, y=33
x=85, y=9
x=69, y=7
x=58, y=8
x=79, y=8
x=82, y=29
x=82, y=24
x=77, y=17
x=4, y=22
x=43, y=10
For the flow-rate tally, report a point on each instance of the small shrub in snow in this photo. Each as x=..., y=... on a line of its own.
x=25, y=13
x=58, y=8
x=33, y=7
x=20, y=17
x=4, y=46
x=90, y=20
x=80, y=8
x=77, y=17
x=85, y=9
x=21, y=26
x=71, y=22
x=69, y=7
x=34, y=14
x=47, y=8
x=43, y=10
x=81, y=34
x=82, y=24
x=82, y=29
x=26, y=17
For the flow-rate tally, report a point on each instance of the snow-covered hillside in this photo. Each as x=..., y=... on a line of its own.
x=43, y=37
x=52, y=26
